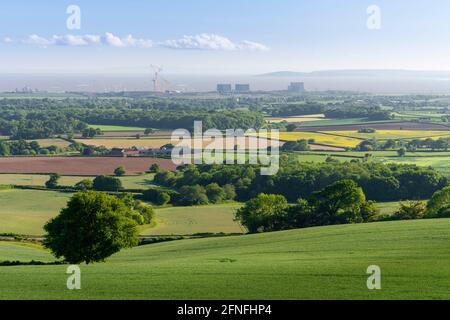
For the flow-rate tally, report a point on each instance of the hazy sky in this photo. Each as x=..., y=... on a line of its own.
x=230, y=36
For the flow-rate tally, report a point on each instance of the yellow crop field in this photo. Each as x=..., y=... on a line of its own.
x=319, y=138
x=394, y=134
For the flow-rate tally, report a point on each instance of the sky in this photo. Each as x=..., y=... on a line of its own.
x=222, y=37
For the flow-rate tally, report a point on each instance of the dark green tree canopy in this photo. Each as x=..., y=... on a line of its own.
x=91, y=228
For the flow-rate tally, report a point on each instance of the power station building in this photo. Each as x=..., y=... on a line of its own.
x=242, y=88
x=224, y=88
x=296, y=87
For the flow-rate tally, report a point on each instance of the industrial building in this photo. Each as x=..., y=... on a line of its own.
x=296, y=87
x=224, y=88
x=242, y=88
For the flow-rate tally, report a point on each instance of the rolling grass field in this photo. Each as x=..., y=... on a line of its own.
x=192, y=220
x=52, y=142
x=26, y=211
x=316, y=263
x=116, y=128
x=394, y=134
x=129, y=182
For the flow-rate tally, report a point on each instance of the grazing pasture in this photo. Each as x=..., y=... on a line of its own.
x=129, y=182
x=298, y=119
x=394, y=134
x=26, y=211
x=45, y=143
x=317, y=263
x=82, y=166
x=116, y=128
x=192, y=220
x=381, y=125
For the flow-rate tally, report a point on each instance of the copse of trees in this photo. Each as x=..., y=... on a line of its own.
x=24, y=148
x=300, y=145
x=373, y=113
x=91, y=228
x=340, y=203
x=191, y=195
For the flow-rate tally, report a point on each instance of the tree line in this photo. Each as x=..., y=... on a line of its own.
x=342, y=202
x=380, y=182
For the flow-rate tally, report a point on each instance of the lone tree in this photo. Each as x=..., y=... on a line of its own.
x=120, y=171
x=263, y=213
x=91, y=228
x=149, y=131
x=401, y=152
x=52, y=183
x=154, y=168
x=439, y=202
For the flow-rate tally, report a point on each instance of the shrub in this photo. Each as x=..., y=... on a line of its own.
x=85, y=185
x=120, y=171
x=105, y=183
x=410, y=210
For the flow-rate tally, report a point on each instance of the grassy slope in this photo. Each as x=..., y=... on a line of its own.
x=327, y=263
x=26, y=211
x=191, y=220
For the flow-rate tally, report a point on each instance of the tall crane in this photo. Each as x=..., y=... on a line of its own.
x=156, y=71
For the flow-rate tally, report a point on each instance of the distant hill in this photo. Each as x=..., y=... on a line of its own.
x=360, y=73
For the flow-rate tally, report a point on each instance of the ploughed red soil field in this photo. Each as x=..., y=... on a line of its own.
x=80, y=165
x=380, y=126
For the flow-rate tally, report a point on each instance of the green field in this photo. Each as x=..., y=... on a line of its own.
x=438, y=163
x=26, y=211
x=438, y=160
x=192, y=220
x=341, y=122
x=316, y=263
x=128, y=182
x=394, y=134
x=116, y=128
